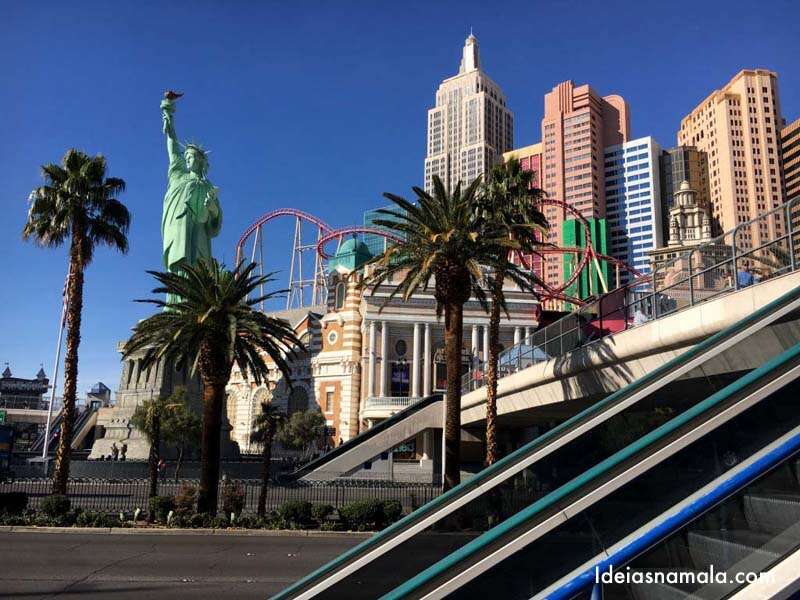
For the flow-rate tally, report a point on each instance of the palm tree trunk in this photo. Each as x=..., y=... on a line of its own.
x=179, y=461
x=74, y=311
x=262, y=495
x=453, y=342
x=213, y=397
x=152, y=458
x=491, y=371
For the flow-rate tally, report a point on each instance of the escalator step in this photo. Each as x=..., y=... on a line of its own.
x=747, y=550
x=772, y=514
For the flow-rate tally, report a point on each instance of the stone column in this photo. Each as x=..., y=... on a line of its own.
x=474, y=347
x=384, y=355
x=415, y=364
x=527, y=335
x=485, y=343
x=371, y=359
x=426, y=363
x=517, y=335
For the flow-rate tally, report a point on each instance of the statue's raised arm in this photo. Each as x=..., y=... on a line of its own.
x=168, y=127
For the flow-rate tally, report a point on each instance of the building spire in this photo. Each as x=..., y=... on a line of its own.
x=470, y=57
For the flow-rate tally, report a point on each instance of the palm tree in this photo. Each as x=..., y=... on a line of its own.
x=265, y=426
x=148, y=418
x=211, y=326
x=78, y=204
x=445, y=242
x=507, y=204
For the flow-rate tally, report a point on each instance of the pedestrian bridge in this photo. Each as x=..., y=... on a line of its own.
x=536, y=389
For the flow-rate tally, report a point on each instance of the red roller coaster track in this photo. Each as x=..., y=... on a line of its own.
x=587, y=254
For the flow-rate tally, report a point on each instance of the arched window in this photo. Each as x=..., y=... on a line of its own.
x=341, y=289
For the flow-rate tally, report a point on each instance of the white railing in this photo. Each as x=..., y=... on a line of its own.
x=391, y=401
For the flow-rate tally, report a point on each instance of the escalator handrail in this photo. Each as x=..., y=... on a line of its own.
x=659, y=532
x=592, y=474
x=361, y=437
x=534, y=445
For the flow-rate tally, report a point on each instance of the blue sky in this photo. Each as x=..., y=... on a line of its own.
x=315, y=105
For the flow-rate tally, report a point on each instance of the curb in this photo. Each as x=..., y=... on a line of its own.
x=169, y=532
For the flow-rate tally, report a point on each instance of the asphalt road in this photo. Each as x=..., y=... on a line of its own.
x=177, y=566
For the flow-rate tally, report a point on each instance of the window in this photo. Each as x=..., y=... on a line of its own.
x=329, y=401
x=340, y=293
x=400, y=348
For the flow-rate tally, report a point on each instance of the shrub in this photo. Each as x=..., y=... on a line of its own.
x=246, y=522
x=160, y=506
x=392, y=511
x=13, y=503
x=93, y=518
x=364, y=515
x=295, y=513
x=55, y=506
x=200, y=521
x=219, y=522
x=331, y=526
x=186, y=500
x=321, y=512
x=233, y=496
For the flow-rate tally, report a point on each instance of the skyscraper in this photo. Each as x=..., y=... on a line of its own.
x=577, y=125
x=633, y=202
x=738, y=127
x=530, y=159
x=790, y=159
x=470, y=127
x=679, y=164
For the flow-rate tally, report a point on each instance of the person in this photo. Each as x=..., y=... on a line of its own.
x=744, y=277
x=639, y=318
x=114, y=451
x=162, y=468
x=123, y=451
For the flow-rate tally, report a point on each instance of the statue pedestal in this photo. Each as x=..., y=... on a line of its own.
x=137, y=385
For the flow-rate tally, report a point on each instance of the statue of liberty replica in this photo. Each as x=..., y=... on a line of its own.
x=192, y=215
x=191, y=218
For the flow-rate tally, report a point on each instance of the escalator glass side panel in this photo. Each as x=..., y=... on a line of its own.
x=601, y=525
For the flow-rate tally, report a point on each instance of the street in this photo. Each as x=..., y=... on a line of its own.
x=172, y=566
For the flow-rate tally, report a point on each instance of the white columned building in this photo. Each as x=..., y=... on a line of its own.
x=426, y=379
x=384, y=356
x=415, y=363
x=371, y=360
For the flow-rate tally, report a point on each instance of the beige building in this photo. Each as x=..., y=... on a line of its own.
x=738, y=127
x=790, y=159
x=470, y=127
x=369, y=358
x=578, y=125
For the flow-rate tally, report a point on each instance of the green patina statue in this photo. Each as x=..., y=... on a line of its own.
x=192, y=215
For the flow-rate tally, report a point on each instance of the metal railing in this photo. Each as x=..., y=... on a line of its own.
x=128, y=495
x=23, y=402
x=698, y=273
x=391, y=401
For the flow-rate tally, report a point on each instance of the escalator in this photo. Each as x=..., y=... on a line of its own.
x=526, y=555
x=353, y=454
x=55, y=426
x=460, y=518
x=84, y=424
x=727, y=539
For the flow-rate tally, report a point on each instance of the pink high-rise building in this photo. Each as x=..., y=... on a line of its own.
x=577, y=125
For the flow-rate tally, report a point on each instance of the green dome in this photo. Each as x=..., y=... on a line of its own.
x=351, y=255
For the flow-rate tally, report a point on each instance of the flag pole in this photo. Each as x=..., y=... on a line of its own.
x=46, y=448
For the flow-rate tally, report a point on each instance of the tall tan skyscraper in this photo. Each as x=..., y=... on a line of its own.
x=470, y=127
x=739, y=128
x=577, y=125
